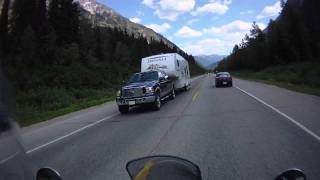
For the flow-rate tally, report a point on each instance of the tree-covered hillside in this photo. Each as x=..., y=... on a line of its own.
x=292, y=41
x=55, y=58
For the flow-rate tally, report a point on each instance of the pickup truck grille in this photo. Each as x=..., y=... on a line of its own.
x=134, y=92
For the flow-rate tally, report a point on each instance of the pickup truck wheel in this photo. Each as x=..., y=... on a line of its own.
x=123, y=109
x=157, y=102
x=173, y=94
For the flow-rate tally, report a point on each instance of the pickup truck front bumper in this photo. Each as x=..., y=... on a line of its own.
x=121, y=101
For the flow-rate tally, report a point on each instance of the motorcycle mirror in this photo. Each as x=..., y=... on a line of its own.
x=163, y=167
x=48, y=174
x=292, y=174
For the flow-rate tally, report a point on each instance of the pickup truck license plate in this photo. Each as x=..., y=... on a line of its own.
x=224, y=83
x=131, y=103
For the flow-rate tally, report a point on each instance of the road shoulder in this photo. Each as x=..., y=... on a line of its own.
x=302, y=107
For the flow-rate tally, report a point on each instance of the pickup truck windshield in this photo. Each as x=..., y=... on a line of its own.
x=142, y=77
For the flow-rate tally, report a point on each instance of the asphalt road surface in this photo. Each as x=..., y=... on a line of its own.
x=249, y=131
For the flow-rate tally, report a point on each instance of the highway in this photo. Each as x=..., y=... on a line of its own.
x=249, y=131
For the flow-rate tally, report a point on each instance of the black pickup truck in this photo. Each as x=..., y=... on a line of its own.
x=145, y=88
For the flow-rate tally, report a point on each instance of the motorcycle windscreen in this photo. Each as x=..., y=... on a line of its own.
x=163, y=168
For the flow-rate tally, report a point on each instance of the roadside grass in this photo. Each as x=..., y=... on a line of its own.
x=301, y=77
x=44, y=104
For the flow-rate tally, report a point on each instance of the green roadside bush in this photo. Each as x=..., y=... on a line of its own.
x=45, y=103
x=307, y=73
x=302, y=77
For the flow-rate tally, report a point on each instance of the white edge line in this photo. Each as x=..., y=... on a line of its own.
x=70, y=134
x=282, y=114
x=10, y=157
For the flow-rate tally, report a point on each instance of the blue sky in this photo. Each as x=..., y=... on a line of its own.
x=199, y=26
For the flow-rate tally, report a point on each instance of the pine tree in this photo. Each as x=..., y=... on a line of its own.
x=98, y=50
x=23, y=14
x=64, y=17
x=40, y=20
x=4, y=28
x=282, y=3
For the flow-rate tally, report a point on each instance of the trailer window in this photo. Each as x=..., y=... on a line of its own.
x=178, y=63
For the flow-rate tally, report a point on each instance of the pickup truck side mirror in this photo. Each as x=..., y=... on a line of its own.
x=161, y=79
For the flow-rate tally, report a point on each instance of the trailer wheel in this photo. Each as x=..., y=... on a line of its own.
x=185, y=88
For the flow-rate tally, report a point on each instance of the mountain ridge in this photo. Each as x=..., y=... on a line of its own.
x=104, y=16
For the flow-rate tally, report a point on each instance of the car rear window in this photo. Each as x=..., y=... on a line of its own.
x=223, y=75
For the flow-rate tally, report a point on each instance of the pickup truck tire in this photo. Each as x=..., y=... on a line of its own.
x=157, y=102
x=173, y=94
x=123, y=109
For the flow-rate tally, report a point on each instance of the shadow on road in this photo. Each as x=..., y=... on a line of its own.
x=148, y=108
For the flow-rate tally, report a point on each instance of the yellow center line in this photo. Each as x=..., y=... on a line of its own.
x=143, y=174
x=195, y=96
x=197, y=91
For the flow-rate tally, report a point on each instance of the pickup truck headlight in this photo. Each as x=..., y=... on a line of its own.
x=149, y=90
x=118, y=93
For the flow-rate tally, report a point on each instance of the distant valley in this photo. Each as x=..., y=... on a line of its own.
x=208, y=61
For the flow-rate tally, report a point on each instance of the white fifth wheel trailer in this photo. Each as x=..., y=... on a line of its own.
x=174, y=65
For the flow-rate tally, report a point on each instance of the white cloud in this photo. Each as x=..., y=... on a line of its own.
x=220, y=40
x=246, y=12
x=236, y=26
x=135, y=20
x=192, y=21
x=170, y=9
x=261, y=26
x=233, y=27
x=159, y=28
x=177, y=5
x=167, y=15
x=149, y=3
x=186, y=31
x=227, y=2
x=218, y=7
x=270, y=11
x=208, y=46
